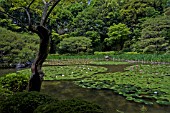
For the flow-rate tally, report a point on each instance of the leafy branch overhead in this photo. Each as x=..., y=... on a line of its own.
x=19, y=5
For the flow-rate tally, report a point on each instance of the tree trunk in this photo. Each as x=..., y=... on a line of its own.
x=37, y=74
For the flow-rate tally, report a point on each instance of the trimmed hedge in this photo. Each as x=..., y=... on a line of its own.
x=69, y=106
x=4, y=93
x=15, y=82
x=24, y=102
x=35, y=102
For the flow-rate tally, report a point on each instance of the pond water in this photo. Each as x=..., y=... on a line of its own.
x=109, y=101
x=6, y=71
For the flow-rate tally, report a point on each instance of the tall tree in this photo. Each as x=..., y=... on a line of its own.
x=40, y=27
x=155, y=35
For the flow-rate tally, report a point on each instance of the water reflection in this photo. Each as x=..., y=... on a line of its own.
x=110, y=102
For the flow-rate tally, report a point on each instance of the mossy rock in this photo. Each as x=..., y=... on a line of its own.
x=24, y=102
x=69, y=106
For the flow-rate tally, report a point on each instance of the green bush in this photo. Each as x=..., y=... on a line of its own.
x=14, y=82
x=69, y=106
x=75, y=45
x=24, y=102
x=17, y=47
x=4, y=93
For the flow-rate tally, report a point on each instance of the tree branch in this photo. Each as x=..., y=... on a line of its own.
x=50, y=1
x=51, y=9
x=44, y=1
x=44, y=13
x=22, y=24
x=30, y=4
x=29, y=17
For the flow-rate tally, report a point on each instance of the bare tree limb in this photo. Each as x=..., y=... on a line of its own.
x=49, y=12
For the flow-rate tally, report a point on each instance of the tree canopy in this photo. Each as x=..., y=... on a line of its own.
x=92, y=19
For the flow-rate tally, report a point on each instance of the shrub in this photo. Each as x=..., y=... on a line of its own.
x=69, y=106
x=14, y=82
x=24, y=102
x=75, y=45
x=4, y=93
x=17, y=47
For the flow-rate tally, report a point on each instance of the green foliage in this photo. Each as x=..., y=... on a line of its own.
x=93, y=19
x=132, y=56
x=105, y=53
x=4, y=93
x=141, y=83
x=134, y=10
x=15, y=82
x=150, y=58
x=16, y=47
x=25, y=102
x=69, y=106
x=154, y=36
x=75, y=45
x=117, y=35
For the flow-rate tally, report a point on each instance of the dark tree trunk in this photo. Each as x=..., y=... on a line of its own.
x=37, y=74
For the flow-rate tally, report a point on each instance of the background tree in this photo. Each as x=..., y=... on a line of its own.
x=118, y=34
x=155, y=36
x=75, y=45
x=16, y=47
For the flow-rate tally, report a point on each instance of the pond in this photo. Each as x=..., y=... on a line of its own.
x=6, y=71
x=109, y=101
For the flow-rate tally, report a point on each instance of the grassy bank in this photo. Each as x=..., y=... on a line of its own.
x=145, y=58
